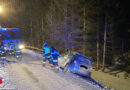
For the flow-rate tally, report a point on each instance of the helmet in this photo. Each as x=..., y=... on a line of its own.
x=45, y=44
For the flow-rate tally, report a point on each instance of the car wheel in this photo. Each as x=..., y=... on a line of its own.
x=84, y=72
x=66, y=68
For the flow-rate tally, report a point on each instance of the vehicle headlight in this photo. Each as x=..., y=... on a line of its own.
x=21, y=46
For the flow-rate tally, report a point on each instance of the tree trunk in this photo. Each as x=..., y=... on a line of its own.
x=104, y=47
x=97, y=46
x=67, y=26
x=84, y=27
x=42, y=31
x=38, y=33
x=31, y=38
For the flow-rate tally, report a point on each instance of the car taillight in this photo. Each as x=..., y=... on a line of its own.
x=75, y=63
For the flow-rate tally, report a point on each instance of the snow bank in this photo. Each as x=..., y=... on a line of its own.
x=5, y=75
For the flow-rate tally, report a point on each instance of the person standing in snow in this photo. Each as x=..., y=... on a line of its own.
x=2, y=50
x=11, y=46
x=17, y=49
x=46, y=53
x=1, y=46
x=55, y=55
x=17, y=46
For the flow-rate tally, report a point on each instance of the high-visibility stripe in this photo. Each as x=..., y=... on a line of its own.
x=55, y=60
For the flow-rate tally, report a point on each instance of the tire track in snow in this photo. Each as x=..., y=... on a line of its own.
x=27, y=79
x=30, y=74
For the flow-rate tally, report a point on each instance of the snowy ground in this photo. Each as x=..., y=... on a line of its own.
x=111, y=81
x=30, y=75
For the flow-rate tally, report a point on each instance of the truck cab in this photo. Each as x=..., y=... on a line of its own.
x=9, y=35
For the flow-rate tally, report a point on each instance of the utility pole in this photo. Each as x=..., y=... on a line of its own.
x=52, y=26
x=66, y=27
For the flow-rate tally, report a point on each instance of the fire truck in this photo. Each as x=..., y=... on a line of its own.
x=10, y=35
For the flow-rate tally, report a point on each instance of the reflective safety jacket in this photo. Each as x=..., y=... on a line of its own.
x=54, y=53
x=46, y=50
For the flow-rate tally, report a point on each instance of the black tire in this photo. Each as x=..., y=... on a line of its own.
x=83, y=71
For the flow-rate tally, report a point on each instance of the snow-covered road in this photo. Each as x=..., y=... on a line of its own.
x=30, y=75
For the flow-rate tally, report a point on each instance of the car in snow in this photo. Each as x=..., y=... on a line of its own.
x=76, y=63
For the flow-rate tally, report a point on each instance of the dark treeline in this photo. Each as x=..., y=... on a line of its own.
x=98, y=29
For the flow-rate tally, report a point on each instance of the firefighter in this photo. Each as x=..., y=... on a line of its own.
x=11, y=48
x=55, y=56
x=17, y=46
x=18, y=51
x=1, y=46
x=46, y=53
x=2, y=51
